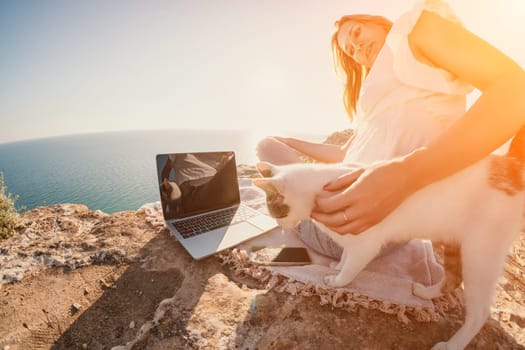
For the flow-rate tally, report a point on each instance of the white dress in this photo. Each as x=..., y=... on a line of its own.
x=404, y=103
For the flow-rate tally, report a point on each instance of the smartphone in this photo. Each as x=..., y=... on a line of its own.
x=284, y=256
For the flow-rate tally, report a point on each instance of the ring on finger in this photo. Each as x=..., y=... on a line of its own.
x=344, y=216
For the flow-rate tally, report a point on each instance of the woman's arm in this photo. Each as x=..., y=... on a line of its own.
x=492, y=120
x=325, y=153
x=368, y=196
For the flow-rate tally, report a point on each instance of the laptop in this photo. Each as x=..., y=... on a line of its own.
x=201, y=203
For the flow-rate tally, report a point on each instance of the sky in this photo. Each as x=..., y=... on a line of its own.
x=70, y=67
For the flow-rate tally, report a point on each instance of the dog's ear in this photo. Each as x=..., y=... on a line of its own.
x=268, y=185
x=261, y=183
x=265, y=169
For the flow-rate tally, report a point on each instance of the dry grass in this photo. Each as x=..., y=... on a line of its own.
x=9, y=217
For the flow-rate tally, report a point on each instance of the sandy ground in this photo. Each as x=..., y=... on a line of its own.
x=206, y=307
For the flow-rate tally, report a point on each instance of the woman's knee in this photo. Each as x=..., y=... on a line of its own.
x=318, y=240
x=274, y=151
x=267, y=149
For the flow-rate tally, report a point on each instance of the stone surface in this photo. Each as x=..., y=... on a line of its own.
x=71, y=236
x=136, y=272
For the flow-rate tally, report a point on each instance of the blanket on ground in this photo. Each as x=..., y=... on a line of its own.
x=385, y=284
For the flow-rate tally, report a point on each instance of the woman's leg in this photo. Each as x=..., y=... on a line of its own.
x=276, y=152
x=317, y=240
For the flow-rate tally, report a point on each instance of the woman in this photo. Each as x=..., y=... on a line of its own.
x=431, y=35
x=411, y=107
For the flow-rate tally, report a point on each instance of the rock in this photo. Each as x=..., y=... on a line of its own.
x=88, y=237
x=75, y=308
x=339, y=137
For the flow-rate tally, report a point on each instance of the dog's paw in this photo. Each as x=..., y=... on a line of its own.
x=425, y=292
x=330, y=280
x=335, y=265
x=440, y=346
x=333, y=281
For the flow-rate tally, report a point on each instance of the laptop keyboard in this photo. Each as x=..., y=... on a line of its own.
x=203, y=223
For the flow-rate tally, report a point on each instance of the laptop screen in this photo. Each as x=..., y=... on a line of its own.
x=195, y=183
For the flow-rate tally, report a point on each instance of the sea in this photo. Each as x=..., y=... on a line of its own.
x=112, y=171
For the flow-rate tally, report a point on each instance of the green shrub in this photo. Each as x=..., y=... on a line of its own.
x=9, y=217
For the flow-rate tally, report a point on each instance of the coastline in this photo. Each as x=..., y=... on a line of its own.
x=108, y=171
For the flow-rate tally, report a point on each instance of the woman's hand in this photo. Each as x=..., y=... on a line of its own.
x=362, y=198
x=322, y=152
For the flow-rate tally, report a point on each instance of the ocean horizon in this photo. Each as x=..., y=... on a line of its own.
x=110, y=171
